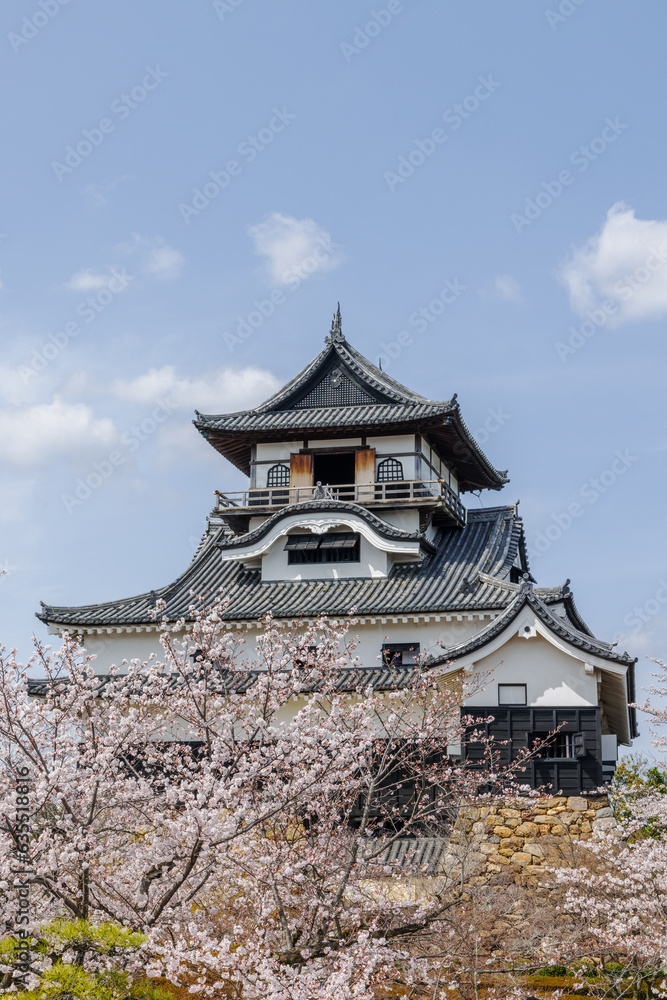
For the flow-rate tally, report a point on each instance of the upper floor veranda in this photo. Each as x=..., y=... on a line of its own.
x=346, y=430
x=393, y=471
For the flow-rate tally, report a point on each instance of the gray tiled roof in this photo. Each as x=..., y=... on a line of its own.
x=292, y=421
x=426, y=854
x=239, y=681
x=525, y=594
x=447, y=580
x=369, y=377
x=363, y=399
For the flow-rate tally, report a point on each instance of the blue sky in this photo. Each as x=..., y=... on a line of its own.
x=189, y=189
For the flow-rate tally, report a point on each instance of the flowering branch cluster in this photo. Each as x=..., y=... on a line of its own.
x=616, y=894
x=237, y=812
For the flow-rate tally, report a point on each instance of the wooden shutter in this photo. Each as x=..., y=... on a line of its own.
x=579, y=744
x=364, y=474
x=300, y=477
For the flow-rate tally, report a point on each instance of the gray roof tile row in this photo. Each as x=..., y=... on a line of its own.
x=446, y=580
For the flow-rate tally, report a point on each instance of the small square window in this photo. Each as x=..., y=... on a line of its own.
x=400, y=654
x=512, y=694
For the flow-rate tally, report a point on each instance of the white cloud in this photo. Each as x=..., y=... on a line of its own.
x=508, y=288
x=89, y=281
x=621, y=270
x=294, y=248
x=222, y=391
x=164, y=262
x=157, y=258
x=178, y=439
x=35, y=434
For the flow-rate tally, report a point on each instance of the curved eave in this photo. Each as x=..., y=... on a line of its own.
x=440, y=420
x=380, y=527
x=559, y=626
x=475, y=470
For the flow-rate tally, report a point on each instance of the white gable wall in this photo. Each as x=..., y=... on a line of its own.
x=553, y=677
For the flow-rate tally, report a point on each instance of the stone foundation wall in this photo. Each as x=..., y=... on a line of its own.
x=521, y=836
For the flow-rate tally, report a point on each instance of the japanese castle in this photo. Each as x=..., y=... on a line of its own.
x=354, y=502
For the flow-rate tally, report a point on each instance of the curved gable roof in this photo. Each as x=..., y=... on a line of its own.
x=342, y=392
x=526, y=594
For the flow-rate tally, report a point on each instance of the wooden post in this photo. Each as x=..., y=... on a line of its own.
x=364, y=474
x=300, y=477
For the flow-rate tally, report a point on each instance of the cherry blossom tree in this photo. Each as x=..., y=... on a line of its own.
x=614, y=923
x=239, y=812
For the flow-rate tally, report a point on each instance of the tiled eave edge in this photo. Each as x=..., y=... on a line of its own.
x=416, y=619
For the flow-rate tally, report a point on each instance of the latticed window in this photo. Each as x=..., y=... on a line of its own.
x=278, y=476
x=334, y=547
x=560, y=745
x=390, y=470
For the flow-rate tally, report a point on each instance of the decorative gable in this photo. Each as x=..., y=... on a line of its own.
x=335, y=389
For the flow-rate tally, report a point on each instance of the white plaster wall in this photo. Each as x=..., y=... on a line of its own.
x=372, y=563
x=115, y=647
x=393, y=445
x=553, y=677
x=262, y=472
x=371, y=635
x=407, y=520
x=385, y=447
x=276, y=451
x=316, y=443
x=444, y=472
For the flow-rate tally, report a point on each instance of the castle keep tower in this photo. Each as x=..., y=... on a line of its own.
x=355, y=501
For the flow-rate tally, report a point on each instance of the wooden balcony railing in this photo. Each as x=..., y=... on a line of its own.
x=408, y=492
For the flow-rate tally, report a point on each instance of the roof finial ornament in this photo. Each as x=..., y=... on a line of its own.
x=336, y=331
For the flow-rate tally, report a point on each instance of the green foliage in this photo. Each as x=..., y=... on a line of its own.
x=63, y=982
x=635, y=779
x=79, y=941
x=101, y=938
x=553, y=970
